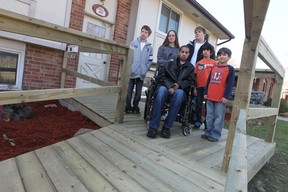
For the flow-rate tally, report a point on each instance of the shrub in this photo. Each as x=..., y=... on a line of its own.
x=268, y=102
x=283, y=106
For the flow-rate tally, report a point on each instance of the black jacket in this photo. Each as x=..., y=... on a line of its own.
x=173, y=72
x=191, y=46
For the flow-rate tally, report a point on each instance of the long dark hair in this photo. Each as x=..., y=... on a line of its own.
x=166, y=41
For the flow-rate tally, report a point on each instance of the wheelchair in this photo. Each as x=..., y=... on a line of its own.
x=183, y=115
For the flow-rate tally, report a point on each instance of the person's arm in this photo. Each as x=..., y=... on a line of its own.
x=230, y=82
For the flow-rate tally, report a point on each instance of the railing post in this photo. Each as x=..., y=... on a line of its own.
x=63, y=74
x=125, y=73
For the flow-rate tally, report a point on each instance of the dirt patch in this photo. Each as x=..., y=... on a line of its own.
x=48, y=125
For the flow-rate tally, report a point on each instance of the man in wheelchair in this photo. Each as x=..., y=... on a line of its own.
x=174, y=80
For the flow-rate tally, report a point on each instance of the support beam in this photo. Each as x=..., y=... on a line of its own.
x=268, y=57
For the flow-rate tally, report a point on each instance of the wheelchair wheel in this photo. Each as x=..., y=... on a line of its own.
x=186, y=130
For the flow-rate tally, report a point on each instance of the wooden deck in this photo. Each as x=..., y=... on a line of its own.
x=122, y=158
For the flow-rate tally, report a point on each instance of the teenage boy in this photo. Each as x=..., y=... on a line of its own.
x=217, y=92
x=202, y=71
x=142, y=60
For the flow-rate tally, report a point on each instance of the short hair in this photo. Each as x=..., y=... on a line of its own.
x=166, y=41
x=224, y=50
x=200, y=28
x=147, y=28
x=208, y=46
x=183, y=47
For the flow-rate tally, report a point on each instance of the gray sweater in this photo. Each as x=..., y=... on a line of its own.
x=142, y=60
x=166, y=53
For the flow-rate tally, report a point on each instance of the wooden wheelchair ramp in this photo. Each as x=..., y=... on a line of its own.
x=108, y=159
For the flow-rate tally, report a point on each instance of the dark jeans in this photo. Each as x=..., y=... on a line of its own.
x=139, y=84
x=199, y=103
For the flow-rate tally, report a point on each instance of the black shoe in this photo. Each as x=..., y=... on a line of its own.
x=152, y=133
x=203, y=136
x=212, y=139
x=136, y=111
x=165, y=132
x=128, y=110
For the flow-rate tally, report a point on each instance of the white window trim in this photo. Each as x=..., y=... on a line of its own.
x=171, y=6
x=20, y=69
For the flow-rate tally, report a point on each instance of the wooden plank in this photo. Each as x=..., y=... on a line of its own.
x=87, y=78
x=12, y=97
x=98, y=119
x=20, y=24
x=63, y=178
x=10, y=179
x=242, y=96
x=117, y=130
x=33, y=175
x=120, y=180
x=92, y=180
x=258, y=155
x=132, y=168
x=269, y=58
x=254, y=113
x=237, y=171
x=124, y=81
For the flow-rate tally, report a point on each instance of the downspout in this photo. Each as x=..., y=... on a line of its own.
x=224, y=41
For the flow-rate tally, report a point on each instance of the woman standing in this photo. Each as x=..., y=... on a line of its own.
x=168, y=51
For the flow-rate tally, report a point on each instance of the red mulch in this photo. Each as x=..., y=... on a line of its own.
x=48, y=125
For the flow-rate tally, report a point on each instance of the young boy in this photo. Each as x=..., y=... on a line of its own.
x=202, y=71
x=142, y=60
x=217, y=92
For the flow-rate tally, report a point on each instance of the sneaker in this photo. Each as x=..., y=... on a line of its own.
x=203, y=136
x=152, y=133
x=165, y=132
x=197, y=125
x=211, y=139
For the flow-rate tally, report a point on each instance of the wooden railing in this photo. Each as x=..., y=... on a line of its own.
x=19, y=24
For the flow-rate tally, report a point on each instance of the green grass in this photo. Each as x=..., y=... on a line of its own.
x=273, y=176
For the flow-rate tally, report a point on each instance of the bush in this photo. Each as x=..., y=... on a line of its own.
x=268, y=102
x=283, y=106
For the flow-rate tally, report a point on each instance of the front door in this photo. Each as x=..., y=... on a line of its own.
x=92, y=64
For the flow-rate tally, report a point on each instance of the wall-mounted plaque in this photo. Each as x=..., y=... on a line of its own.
x=100, y=10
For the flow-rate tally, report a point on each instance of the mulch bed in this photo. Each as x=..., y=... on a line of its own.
x=48, y=125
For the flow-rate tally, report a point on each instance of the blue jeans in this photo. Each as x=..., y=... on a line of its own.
x=176, y=101
x=214, y=119
x=139, y=84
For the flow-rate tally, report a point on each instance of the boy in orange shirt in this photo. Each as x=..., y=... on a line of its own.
x=202, y=71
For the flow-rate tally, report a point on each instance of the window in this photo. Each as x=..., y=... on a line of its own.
x=11, y=72
x=264, y=85
x=169, y=19
x=8, y=68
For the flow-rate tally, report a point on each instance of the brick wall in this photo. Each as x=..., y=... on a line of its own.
x=120, y=34
x=42, y=67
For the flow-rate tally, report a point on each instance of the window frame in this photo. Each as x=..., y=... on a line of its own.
x=171, y=10
x=19, y=70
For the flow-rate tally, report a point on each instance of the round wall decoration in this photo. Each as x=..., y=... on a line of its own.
x=100, y=10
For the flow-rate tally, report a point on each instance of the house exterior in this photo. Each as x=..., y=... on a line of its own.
x=28, y=63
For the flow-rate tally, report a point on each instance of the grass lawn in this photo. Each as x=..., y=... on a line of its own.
x=273, y=177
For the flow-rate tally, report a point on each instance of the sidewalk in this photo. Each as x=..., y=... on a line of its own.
x=282, y=118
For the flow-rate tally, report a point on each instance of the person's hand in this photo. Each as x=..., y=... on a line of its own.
x=176, y=86
x=205, y=97
x=171, y=91
x=225, y=101
x=195, y=92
